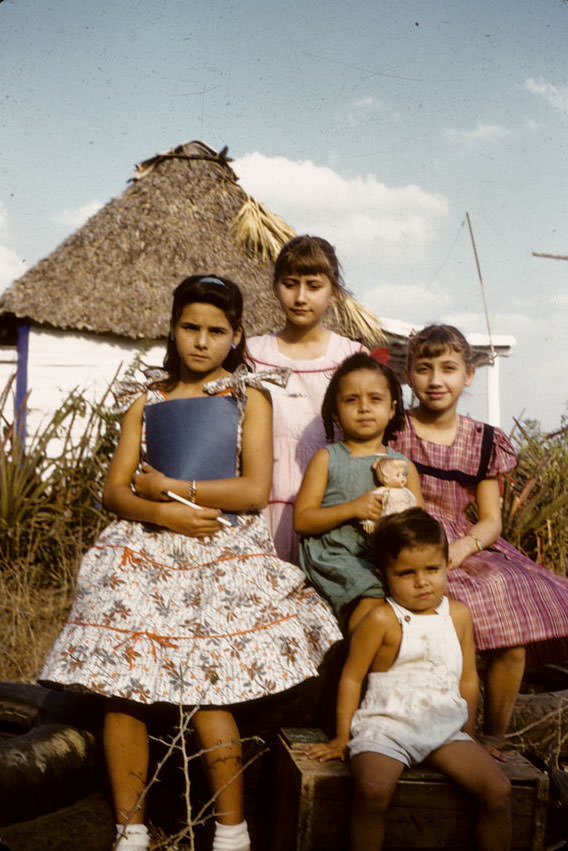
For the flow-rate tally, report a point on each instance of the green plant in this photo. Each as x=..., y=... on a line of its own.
x=535, y=497
x=50, y=489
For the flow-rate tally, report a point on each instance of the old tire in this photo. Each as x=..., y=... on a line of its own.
x=47, y=768
x=87, y=824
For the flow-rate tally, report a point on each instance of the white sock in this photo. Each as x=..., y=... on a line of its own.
x=231, y=837
x=132, y=837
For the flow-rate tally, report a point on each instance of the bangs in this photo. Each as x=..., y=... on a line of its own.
x=317, y=264
x=432, y=349
x=308, y=255
x=434, y=340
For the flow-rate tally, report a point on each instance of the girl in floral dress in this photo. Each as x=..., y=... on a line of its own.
x=180, y=603
x=516, y=604
x=307, y=279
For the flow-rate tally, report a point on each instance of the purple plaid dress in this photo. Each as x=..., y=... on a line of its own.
x=513, y=600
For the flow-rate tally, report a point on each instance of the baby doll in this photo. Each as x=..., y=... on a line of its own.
x=391, y=474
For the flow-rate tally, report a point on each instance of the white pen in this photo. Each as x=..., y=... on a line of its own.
x=172, y=495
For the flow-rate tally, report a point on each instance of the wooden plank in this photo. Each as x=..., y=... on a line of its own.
x=428, y=811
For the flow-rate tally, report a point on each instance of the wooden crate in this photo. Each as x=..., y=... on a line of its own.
x=312, y=802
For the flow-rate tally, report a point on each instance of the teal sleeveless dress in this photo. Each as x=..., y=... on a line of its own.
x=336, y=562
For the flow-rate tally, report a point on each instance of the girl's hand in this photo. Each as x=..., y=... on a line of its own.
x=368, y=506
x=460, y=550
x=193, y=522
x=324, y=751
x=150, y=483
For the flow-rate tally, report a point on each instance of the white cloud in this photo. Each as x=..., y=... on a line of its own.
x=75, y=218
x=531, y=125
x=354, y=212
x=11, y=266
x=482, y=133
x=559, y=300
x=556, y=96
x=394, y=300
x=364, y=110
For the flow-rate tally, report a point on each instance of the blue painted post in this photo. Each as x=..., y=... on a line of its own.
x=22, y=381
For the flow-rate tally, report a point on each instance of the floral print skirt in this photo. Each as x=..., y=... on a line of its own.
x=159, y=616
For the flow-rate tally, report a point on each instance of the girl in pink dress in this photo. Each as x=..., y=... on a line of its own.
x=516, y=604
x=307, y=279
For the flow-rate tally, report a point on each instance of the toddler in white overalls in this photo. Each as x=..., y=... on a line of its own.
x=416, y=705
x=419, y=654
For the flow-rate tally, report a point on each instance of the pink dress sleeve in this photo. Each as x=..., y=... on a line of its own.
x=503, y=457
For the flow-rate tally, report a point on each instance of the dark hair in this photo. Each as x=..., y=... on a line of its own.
x=361, y=360
x=305, y=255
x=207, y=289
x=433, y=341
x=405, y=529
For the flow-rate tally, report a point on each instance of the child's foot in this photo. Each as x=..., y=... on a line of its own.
x=131, y=837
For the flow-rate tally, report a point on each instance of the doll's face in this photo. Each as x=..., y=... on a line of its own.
x=392, y=473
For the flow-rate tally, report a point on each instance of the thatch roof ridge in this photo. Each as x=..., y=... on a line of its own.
x=177, y=216
x=195, y=150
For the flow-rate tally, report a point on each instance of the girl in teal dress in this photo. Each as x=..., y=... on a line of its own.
x=338, y=490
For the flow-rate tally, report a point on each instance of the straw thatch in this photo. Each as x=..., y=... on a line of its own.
x=183, y=213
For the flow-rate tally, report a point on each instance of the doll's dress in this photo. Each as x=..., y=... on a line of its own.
x=159, y=616
x=415, y=706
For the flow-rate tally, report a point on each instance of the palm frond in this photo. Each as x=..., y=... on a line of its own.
x=357, y=322
x=259, y=231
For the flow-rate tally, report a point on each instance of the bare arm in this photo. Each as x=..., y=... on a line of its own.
x=246, y=492
x=413, y=484
x=488, y=527
x=119, y=497
x=310, y=518
x=469, y=682
x=365, y=643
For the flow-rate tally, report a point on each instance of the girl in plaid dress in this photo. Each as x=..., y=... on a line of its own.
x=517, y=605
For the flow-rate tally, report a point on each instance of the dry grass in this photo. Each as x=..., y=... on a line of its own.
x=50, y=513
x=259, y=231
x=31, y=617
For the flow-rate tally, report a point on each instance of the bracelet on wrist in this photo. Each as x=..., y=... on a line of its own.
x=477, y=541
x=192, y=490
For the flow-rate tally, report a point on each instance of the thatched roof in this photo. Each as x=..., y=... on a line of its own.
x=179, y=216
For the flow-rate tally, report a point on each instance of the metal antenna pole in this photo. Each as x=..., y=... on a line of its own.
x=492, y=350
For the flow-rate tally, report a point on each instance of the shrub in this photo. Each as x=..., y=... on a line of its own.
x=50, y=513
x=535, y=496
x=50, y=504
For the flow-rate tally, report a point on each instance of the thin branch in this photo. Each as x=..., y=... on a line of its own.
x=549, y=256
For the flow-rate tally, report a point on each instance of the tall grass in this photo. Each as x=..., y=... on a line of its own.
x=50, y=512
x=535, y=495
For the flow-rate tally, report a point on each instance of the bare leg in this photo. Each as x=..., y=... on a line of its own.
x=505, y=669
x=223, y=764
x=471, y=766
x=364, y=606
x=375, y=777
x=125, y=740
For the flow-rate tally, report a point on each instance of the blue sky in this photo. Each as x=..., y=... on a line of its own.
x=376, y=124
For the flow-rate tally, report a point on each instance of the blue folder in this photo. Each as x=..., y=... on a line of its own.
x=193, y=438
